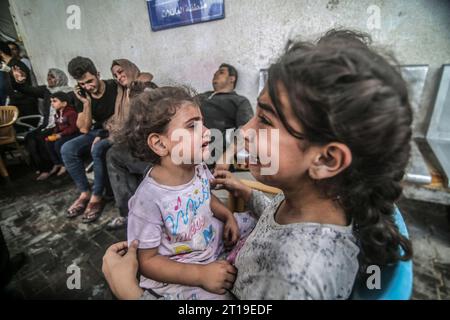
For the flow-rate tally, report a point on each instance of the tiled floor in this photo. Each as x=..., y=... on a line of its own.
x=32, y=218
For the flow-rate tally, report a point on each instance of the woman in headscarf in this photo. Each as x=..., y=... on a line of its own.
x=34, y=140
x=124, y=72
x=124, y=171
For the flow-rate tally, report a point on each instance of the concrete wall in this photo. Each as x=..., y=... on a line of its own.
x=251, y=35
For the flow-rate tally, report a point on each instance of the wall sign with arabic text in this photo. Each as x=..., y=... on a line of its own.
x=166, y=14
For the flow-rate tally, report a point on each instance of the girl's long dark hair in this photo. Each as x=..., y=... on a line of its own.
x=341, y=90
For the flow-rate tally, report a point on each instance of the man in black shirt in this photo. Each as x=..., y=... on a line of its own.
x=223, y=108
x=97, y=98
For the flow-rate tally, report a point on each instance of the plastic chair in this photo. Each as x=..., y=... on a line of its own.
x=8, y=116
x=396, y=280
x=23, y=122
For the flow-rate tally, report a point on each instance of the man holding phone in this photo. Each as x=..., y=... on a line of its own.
x=97, y=98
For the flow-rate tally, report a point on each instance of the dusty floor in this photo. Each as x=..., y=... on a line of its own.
x=32, y=218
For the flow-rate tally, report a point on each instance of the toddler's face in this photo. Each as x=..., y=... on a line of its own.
x=187, y=138
x=271, y=145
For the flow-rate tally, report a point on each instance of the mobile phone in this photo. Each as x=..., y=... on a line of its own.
x=82, y=92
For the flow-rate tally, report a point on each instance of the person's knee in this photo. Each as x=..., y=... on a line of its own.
x=69, y=150
x=99, y=150
x=59, y=144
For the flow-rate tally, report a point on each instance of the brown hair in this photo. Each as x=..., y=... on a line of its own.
x=341, y=90
x=151, y=111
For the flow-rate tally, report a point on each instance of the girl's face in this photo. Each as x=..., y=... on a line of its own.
x=51, y=80
x=187, y=138
x=293, y=161
x=120, y=75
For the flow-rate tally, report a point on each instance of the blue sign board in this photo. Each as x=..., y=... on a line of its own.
x=166, y=14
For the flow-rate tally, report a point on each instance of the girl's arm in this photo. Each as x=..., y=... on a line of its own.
x=231, y=233
x=215, y=277
x=219, y=210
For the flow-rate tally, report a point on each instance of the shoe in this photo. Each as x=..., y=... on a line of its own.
x=77, y=208
x=117, y=223
x=93, y=211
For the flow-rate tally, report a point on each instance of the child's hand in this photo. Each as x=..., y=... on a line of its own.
x=226, y=180
x=218, y=276
x=53, y=137
x=230, y=232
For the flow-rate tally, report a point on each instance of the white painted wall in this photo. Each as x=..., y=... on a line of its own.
x=252, y=33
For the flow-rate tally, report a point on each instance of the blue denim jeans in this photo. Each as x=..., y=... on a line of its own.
x=75, y=150
x=54, y=148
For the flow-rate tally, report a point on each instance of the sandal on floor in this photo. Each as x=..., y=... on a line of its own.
x=77, y=208
x=93, y=211
x=117, y=223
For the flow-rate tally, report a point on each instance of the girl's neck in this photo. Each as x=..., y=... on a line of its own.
x=170, y=174
x=307, y=205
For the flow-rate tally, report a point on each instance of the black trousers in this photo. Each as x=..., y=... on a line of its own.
x=125, y=174
x=36, y=147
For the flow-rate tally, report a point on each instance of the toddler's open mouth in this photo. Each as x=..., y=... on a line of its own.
x=205, y=144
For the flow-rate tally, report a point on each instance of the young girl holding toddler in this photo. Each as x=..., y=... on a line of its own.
x=343, y=119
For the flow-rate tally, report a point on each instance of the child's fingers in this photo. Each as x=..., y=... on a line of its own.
x=221, y=173
x=228, y=285
x=115, y=248
x=122, y=252
x=231, y=269
x=235, y=237
x=226, y=234
x=230, y=277
x=219, y=181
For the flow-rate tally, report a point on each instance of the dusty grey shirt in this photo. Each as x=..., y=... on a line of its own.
x=294, y=261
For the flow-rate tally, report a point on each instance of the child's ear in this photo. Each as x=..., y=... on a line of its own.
x=155, y=142
x=331, y=160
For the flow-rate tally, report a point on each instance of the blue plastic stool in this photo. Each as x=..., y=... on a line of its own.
x=396, y=280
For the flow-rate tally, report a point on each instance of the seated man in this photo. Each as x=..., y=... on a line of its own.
x=223, y=108
x=98, y=98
